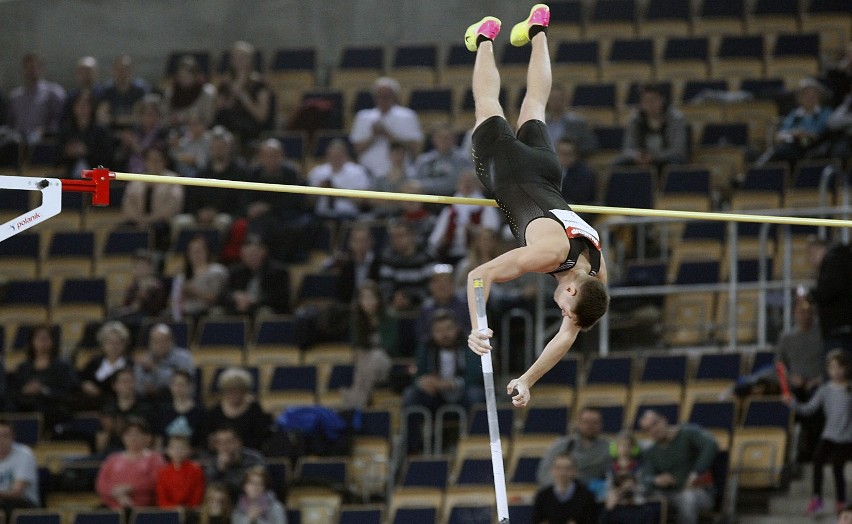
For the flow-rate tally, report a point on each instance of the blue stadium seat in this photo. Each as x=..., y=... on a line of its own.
x=471, y=515
x=293, y=378
x=294, y=145
x=415, y=515
x=156, y=516
x=713, y=415
x=668, y=11
x=375, y=423
x=101, y=516
x=566, y=12
x=693, y=88
x=594, y=95
x=475, y=471
x=318, y=286
x=610, y=370
x=777, y=7
x=726, y=9
x=323, y=471
x=294, y=60
x=632, y=50
x=520, y=512
x=354, y=515
x=703, y=272
x=766, y=413
x=763, y=88
x=664, y=368
x=724, y=366
x=687, y=48
x=220, y=333
x=526, y=470
x=725, y=134
x=765, y=178
x=644, y=273
x=415, y=56
x=76, y=244
x=27, y=427
x=518, y=56
x=796, y=45
x=582, y=52
x=83, y=291
x=704, y=230
x=687, y=180
x=26, y=292
x=630, y=187
x=564, y=372
x=362, y=58
x=546, y=420
x=610, y=138
x=126, y=242
x=458, y=55
x=430, y=473
x=731, y=46
x=341, y=376
x=36, y=516
x=612, y=417
x=613, y=11
x=440, y=99
x=479, y=420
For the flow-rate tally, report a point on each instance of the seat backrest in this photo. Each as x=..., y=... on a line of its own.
x=294, y=378
x=362, y=58
x=426, y=473
x=415, y=56
x=610, y=370
x=564, y=372
x=713, y=415
x=632, y=50
x=294, y=60
x=613, y=11
x=724, y=366
x=546, y=420
x=583, y=52
x=664, y=368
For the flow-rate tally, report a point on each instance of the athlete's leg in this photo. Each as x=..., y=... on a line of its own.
x=539, y=80
x=486, y=84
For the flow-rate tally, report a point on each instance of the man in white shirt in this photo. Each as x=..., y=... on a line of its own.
x=373, y=130
x=338, y=172
x=18, y=473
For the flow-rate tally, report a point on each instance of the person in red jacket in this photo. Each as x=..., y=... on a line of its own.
x=180, y=483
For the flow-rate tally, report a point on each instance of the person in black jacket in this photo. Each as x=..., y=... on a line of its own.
x=257, y=282
x=833, y=293
x=567, y=499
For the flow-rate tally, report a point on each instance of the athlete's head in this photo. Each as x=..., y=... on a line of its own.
x=584, y=300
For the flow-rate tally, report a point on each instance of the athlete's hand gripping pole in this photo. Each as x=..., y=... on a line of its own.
x=491, y=409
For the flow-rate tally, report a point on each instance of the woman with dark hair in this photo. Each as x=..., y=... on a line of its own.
x=85, y=143
x=199, y=285
x=189, y=95
x=127, y=479
x=43, y=382
x=375, y=338
x=183, y=406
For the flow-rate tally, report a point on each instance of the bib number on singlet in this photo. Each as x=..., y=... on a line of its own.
x=576, y=226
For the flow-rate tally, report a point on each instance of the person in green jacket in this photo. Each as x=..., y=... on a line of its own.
x=677, y=465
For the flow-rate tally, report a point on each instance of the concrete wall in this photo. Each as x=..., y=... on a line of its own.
x=63, y=30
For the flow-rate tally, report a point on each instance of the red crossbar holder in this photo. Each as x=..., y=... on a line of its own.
x=97, y=184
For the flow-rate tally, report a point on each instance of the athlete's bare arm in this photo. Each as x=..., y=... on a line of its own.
x=553, y=353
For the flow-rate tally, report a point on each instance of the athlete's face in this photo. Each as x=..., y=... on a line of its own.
x=565, y=297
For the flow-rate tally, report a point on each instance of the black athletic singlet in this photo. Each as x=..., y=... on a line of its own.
x=523, y=174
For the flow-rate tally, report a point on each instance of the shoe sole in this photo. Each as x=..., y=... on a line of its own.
x=488, y=27
x=520, y=32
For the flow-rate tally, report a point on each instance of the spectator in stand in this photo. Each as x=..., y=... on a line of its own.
x=238, y=407
x=840, y=128
x=85, y=143
x=656, y=133
x=450, y=238
x=155, y=366
x=800, y=350
x=564, y=123
x=230, y=460
x=590, y=451
x=845, y=516
x=147, y=131
x=401, y=170
x=405, y=269
x=447, y=373
x=282, y=219
x=127, y=479
x=19, y=488
x=213, y=207
x=485, y=245
x=154, y=206
x=95, y=384
x=244, y=102
x=342, y=173
x=121, y=95
x=833, y=293
x=375, y=129
x=625, y=460
x=197, y=288
x=257, y=284
x=438, y=171
x=190, y=147
x=443, y=296
x=180, y=484
x=415, y=214
x=188, y=95
x=147, y=294
x=124, y=404
x=257, y=503
x=677, y=465
x=35, y=108
x=625, y=504
x=566, y=499
x=217, y=506
x=839, y=76
x=86, y=78
x=357, y=264
x=375, y=338
x=183, y=410
x=44, y=381
x=579, y=182
x=835, y=444
x=803, y=129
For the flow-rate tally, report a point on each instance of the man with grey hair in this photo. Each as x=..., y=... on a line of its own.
x=339, y=172
x=374, y=129
x=156, y=365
